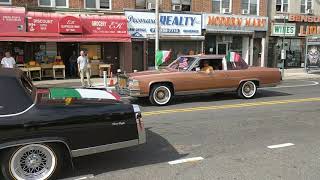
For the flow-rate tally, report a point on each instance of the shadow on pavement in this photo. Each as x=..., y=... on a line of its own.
x=156, y=150
x=144, y=102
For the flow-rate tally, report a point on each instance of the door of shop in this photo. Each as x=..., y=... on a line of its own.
x=137, y=55
x=222, y=48
x=65, y=50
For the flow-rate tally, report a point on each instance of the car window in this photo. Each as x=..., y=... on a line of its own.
x=182, y=63
x=216, y=64
x=237, y=65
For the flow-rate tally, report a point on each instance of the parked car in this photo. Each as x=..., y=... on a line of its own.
x=42, y=129
x=185, y=76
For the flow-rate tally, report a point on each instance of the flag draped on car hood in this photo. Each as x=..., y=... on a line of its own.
x=61, y=93
x=162, y=57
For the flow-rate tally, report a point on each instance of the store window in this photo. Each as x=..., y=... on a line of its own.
x=5, y=2
x=54, y=3
x=141, y=4
x=306, y=6
x=181, y=5
x=250, y=7
x=97, y=4
x=221, y=6
x=282, y=6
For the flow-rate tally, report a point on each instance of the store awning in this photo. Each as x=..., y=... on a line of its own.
x=56, y=37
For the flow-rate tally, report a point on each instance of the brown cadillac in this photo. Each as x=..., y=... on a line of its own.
x=198, y=74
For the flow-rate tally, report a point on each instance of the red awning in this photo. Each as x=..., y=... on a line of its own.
x=56, y=37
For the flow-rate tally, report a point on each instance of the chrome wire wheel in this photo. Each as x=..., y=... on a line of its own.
x=248, y=89
x=33, y=162
x=162, y=95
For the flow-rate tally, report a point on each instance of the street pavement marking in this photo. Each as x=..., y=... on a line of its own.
x=314, y=83
x=186, y=160
x=229, y=106
x=280, y=145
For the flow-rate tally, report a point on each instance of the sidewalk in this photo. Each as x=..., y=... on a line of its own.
x=98, y=82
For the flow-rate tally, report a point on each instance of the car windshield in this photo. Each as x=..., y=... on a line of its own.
x=182, y=63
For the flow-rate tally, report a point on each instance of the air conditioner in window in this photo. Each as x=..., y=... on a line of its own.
x=176, y=7
x=226, y=11
x=245, y=11
x=151, y=6
x=309, y=11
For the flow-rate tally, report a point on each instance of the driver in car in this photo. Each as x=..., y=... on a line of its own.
x=207, y=68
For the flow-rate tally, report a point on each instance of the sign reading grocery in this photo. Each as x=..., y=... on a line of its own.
x=234, y=22
x=309, y=25
x=105, y=24
x=281, y=29
x=12, y=19
x=143, y=24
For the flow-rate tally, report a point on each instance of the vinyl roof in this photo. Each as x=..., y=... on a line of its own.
x=7, y=72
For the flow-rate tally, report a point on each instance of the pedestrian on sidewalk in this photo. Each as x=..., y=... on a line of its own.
x=8, y=61
x=83, y=68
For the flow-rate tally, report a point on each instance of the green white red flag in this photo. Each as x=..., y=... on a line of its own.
x=162, y=57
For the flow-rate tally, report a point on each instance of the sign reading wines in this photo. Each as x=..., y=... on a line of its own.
x=281, y=29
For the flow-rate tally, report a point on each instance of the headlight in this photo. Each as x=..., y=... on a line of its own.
x=133, y=84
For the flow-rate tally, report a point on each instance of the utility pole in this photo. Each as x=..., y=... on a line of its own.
x=157, y=34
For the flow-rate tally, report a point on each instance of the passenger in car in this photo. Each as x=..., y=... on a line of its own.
x=207, y=68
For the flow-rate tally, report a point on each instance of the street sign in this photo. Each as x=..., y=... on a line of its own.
x=281, y=29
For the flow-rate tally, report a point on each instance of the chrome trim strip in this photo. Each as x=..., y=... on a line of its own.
x=205, y=91
x=19, y=113
x=140, y=124
x=103, y=148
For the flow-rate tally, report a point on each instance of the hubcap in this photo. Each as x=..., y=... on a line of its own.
x=249, y=89
x=33, y=162
x=162, y=95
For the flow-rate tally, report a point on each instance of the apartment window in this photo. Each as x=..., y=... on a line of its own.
x=305, y=5
x=54, y=3
x=221, y=6
x=183, y=5
x=141, y=4
x=250, y=7
x=97, y=4
x=282, y=6
x=5, y=1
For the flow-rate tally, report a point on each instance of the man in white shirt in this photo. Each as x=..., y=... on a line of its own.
x=8, y=61
x=83, y=68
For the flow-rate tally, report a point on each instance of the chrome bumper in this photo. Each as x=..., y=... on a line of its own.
x=128, y=92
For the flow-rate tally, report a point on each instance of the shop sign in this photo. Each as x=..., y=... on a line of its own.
x=281, y=29
x=105, y=24
x=304, y=18
x=70, y=24
x=43, y=22
x=234, y=22
x=143, y=24
x=12, y=19
x=307, y=30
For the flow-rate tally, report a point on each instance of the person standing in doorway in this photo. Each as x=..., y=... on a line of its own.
x=73, y=64
x=8, y=61
x=83, y=68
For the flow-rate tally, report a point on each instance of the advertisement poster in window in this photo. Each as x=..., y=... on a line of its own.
x=313, y=53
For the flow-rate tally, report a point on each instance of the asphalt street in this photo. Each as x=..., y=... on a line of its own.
x=225, y=137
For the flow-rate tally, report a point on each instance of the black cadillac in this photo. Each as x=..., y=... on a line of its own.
x=41, y=129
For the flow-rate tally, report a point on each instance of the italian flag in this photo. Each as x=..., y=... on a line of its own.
x=162, y=57
x=62, y=93
x=231, y=57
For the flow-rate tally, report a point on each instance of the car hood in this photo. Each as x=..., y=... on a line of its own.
x=152, y=72
x=63, y=93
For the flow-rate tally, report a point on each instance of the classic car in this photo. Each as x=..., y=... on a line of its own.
x=41, y=129
x=185, y=76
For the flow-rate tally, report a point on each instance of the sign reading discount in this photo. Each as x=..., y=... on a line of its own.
x=281, y=29
x=143, y=24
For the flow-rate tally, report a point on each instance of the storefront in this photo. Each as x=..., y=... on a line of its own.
x=290, y=32
x=48, y=37
x=312, y=60
x=180, y=33
x=245, y=35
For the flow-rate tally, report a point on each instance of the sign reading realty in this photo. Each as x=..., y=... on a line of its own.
x=143, y=24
